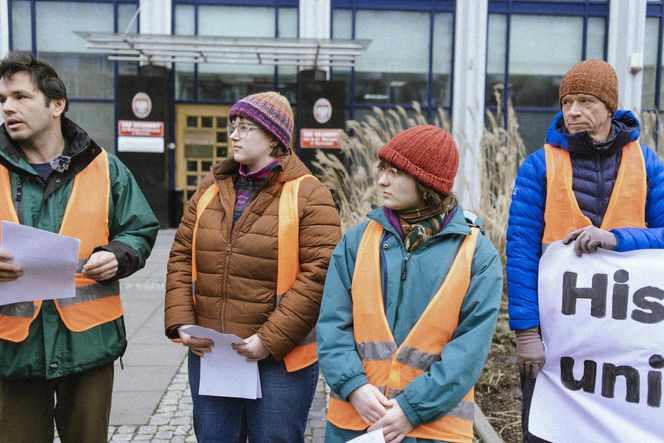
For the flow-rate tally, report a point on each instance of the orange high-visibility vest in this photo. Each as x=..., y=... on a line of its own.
x=85, y=218
x=391, y=368
x=288, y=260
x=626, y=207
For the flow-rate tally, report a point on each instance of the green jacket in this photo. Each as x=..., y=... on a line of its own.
x=51, y=350
x=409, y=282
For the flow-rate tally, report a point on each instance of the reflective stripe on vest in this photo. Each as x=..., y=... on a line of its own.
x=288, y=261
x=85, y=218
x=626, y=207
x=392, y=368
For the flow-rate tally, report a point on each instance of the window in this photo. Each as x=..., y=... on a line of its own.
x=409, y=57
x=530, y=47
x=229, y=82
x=653, y=57
x=88, y=77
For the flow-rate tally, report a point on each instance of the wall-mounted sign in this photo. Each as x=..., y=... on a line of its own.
x=140, y=136
x=142, y=133
x=141, y=144
x=320, y=138
x=140, y=128
x=322, y=110
x=141, y=104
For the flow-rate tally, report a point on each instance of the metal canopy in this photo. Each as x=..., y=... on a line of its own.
x=152, y=48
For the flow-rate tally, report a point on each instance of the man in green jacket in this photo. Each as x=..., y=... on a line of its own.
x=57, y=360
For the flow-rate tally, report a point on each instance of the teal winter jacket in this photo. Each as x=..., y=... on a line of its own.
x=409, y=282
x=51, y=350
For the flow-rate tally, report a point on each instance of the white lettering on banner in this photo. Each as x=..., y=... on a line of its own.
x=602, y=321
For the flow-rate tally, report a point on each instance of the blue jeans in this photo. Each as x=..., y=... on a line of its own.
x=280, y=416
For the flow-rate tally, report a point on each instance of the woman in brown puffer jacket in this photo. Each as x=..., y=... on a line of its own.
x=235, y=242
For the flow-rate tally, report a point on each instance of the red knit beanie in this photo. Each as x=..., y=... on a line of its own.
x=428, y=153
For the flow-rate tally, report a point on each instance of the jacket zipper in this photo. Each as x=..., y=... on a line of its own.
x=404, y=274
x=600, y=181
x=19, y=199
x=229, y=248
x=404, y=266
x=235, y=228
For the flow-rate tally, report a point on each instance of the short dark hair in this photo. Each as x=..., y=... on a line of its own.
x=43, y=75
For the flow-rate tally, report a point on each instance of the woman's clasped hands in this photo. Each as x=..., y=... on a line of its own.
x=380, y=412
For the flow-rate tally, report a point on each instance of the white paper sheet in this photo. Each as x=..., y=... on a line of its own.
x=49, y=262
x=224, y=372
x=370, y=437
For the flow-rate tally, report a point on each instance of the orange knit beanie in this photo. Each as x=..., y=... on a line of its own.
x=594, y=77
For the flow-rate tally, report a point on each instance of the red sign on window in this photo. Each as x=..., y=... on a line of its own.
x=320, y=138
x=135, y=128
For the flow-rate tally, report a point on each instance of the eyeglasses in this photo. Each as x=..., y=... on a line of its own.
x=242, y=129
x=390, y=172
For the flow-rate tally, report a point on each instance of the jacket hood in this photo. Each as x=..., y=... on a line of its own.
x=291, y=167
x=623, y=119
x=79, y=146
x=457, y=225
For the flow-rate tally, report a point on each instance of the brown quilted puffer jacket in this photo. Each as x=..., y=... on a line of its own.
x=237, y=266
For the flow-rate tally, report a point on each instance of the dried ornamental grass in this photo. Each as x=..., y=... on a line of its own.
x=353, y=180
x=502, y=151
x=652, y=133
x=352, y=177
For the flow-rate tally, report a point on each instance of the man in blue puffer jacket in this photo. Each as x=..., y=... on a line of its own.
x=594, y=133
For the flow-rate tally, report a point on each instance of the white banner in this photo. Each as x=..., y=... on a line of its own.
x=602, y=320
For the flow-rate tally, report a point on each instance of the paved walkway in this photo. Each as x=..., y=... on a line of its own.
x=151, y=398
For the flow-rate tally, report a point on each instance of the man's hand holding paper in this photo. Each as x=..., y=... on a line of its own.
x=9, y=270
x=45, y=262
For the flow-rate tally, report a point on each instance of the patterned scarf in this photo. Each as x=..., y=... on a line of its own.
x=420, y=225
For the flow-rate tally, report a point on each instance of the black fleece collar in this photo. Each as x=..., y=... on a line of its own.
x=582, y=145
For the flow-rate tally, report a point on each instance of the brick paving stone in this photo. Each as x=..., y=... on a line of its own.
x=149, y=429
x=165, y=435
x=158, y=420
x=125, y=429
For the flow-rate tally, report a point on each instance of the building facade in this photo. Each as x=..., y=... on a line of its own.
x=448, y=54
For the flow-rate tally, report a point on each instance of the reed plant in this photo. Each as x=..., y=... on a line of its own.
x=652, y=132
x=351, y=175
x=502, y=151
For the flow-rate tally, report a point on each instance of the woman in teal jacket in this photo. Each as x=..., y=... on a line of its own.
x=423, y=228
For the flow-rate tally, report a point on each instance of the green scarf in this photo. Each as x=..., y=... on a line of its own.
x=417, y=233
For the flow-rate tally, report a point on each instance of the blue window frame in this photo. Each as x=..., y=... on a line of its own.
x=91, y=79
x=194, y=83
x=560, y=33
x=425, y=31
x=654, y=40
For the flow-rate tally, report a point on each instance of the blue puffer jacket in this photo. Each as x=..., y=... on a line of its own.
x=592, y=184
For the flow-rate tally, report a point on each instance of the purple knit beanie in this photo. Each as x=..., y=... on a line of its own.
x=269, y=110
